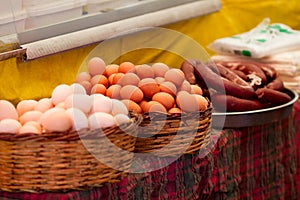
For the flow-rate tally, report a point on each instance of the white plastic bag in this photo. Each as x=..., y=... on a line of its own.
x=264, y=40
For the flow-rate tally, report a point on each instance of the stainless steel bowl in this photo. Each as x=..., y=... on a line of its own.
x=255, y=117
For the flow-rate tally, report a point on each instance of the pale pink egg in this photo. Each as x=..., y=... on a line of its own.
x=29, y=129
x=45, y=115
x=79, y=119
x=57, y=121
x=101, y=104
x=81, y=101
x=96, y=66
x=36, y=124
x=61, y=105
x=60, y=93
x=101, y=120
x=7, y=110
x=25, y=105
x=9, y=126
x=32, y=115
x=83, y=76
x=43, y=105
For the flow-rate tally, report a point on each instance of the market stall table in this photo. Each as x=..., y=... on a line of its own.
x=260, y=162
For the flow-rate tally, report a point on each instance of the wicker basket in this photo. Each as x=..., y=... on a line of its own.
x=178, y=134
x=63, y=161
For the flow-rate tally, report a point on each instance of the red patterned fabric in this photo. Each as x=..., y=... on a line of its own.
x=261, y=162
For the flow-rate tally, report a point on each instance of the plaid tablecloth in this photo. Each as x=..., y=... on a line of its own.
x=261, y=162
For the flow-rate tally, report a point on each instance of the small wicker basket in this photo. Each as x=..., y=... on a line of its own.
x=63, y=161
x=167, y=135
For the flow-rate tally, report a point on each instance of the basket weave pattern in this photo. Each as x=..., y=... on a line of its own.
x=158, y=130
x=63, y=161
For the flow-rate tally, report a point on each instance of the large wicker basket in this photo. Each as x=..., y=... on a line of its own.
x=177, y=134
x=65, y=161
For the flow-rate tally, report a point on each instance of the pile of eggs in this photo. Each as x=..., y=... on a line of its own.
x=143, y=88
x=102, y=97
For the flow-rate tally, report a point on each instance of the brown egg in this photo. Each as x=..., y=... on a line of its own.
x=149, y=87
x=129, y=79
x=142, y=104
x=87, y=86
x=111, y=69
x=96, y=66
x=195, y=89
x=131, y=92
x=160, y=69
x=132, y=106
x=144, y=71
x=185, y=86
x=160, y=80
x=154, y=106
x=165, y=99
x=168, y=87
x=99, y=79
x=126, y=67
x=111, y=79
x=116, y=78
x=98, y=89
x=82, y=76
x=113, y=91
x=187, y=102
x=174, y=75
x=174, y=110
x=202, y=102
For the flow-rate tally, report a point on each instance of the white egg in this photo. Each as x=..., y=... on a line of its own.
x=7, y=110
x=77, y=88
x=101, y=104
x=81, y=101
x=60, y=93
x=57, y=120
x=9, y=126
x=121, y=119
x=45, y=115
x=79, y=119
x=118, y=107
x=101, y=120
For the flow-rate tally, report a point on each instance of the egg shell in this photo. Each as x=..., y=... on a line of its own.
x=174, y=110
x=9, y=126
x=131, y=92
x=185, y=86
x=168, y=87
x=36, y=124
x=7, y=110
x=129, y=79
x=111, y=69
x=80, y=101
x=121, y=119
x=32, y=115
x=160, y=69
x=118, y=108
x=25, y=106
x=132, y=106
x=96, y=66
x=165, y=99
x=195, y=89
x=187, y=102
x=82, y=76
x=57, y=121
x=154, y=106
x=87, y=86
x=29, y=129
x=144, y=71
x=126, y=67
x=116, y=78
x=99, y=79
x=60, y=93
x=79, y=119
x=113, y=91
x=101, y=120
x=149, y=87
x=101, y=104
x=202, y=102
x=98, y=89
x=174, y=75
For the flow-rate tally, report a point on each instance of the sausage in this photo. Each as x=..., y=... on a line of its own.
x=269, y=71
x=206, y=73
x=188, y=69
x=234, y=104
x=276, y=84
x=269, y=97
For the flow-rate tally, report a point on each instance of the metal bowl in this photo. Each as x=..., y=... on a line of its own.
x=254, y=117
